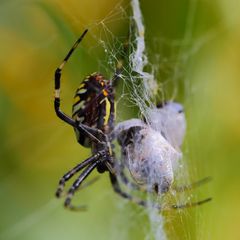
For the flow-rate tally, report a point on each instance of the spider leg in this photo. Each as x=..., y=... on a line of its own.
x=88, y=183
x=77, y=184
x=191, y=204
x=95, y=134
x=58, y=72
x=192, y=185
x=118, y=72
x=133, y=186
x=123, y=52
x=114, y=81
x=73, y=171
x=112, y=111
x=126, y=181
x=118, y=190
x=84, y=185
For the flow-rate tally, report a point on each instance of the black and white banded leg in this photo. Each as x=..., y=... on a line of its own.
x=58, y=72
x=76, y=169
x=76, y=186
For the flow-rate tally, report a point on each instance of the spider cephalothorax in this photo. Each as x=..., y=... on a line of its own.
x=92, y=118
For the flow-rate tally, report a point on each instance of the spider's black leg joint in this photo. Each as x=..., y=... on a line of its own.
x=76, y=169
x=118, y=190
x=77, y=184
x=58, y=71
x=193, y=204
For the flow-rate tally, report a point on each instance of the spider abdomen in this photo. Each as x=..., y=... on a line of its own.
x=93, y=103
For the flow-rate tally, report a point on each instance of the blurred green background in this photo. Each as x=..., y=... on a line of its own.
x=199, y=54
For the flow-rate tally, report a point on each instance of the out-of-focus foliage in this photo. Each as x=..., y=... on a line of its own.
x=37, y=148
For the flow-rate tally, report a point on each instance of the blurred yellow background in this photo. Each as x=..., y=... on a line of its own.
x=37, y=148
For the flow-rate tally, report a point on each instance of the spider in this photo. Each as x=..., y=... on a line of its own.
x=93, y=114
x=92, y=120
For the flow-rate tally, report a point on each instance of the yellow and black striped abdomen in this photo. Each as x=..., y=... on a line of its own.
x=93, y=106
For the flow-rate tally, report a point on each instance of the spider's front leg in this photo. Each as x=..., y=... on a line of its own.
x=58, y=73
